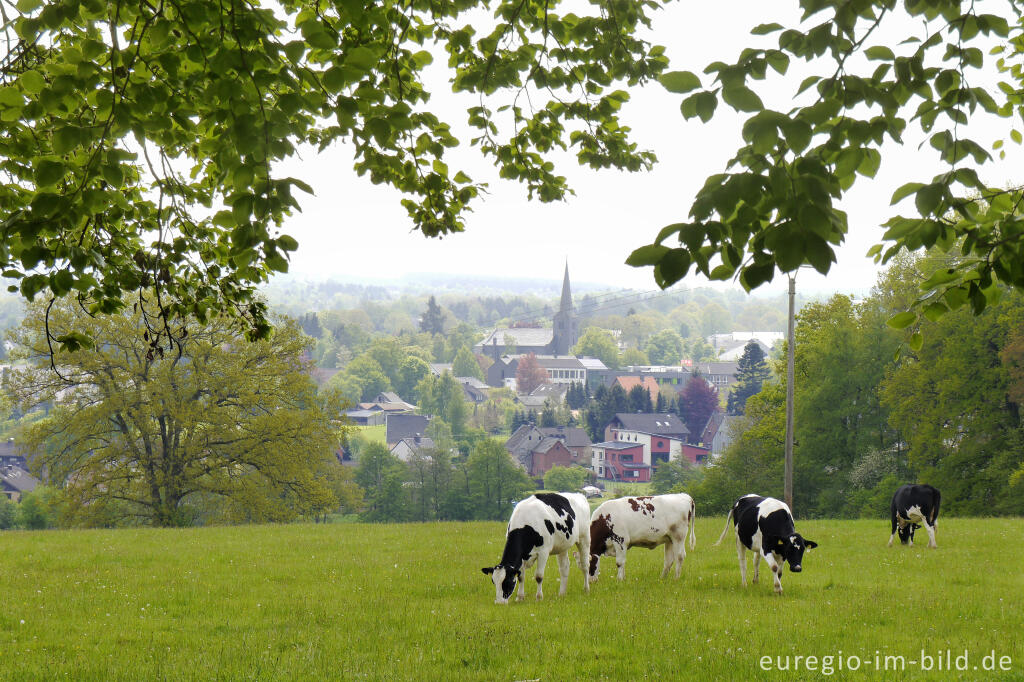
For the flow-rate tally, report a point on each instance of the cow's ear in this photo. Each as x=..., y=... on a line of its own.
x=810, y=544
x=779, y=542
x=488, y=570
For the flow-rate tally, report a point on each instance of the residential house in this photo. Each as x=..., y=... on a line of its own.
x=722, y=375
x=474, y=390
x=723, y=436
x=662, y=435
x=662, y=374
x=726, y=344
x=628, y=383
x=528, y=438
x=11, y=454
x=399, y=426
x=361, y=417
x=620, y=461
x=535, y=399
x=15, y=482
x=405, y=448
x=439, y=368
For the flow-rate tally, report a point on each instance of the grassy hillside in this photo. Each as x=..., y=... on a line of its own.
x=352, y=601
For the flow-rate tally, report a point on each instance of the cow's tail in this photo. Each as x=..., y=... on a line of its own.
x=693, y=522
x=722, y=536
x=935, y=508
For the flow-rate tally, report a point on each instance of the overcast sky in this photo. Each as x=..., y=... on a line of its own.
x=355, y=230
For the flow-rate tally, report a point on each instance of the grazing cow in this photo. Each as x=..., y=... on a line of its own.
x=764, y=525
x=626, y=522
x=912, y=507
x=542, y=524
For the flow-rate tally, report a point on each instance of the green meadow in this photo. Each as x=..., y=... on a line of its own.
x=408, y=602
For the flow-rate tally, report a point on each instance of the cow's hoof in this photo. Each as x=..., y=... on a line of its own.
x=520, y=598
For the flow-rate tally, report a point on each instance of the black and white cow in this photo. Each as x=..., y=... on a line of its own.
x=647, y=521
x=764, y=525
x=914, y=506
x=541, y=525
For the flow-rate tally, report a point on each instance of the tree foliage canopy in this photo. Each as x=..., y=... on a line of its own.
x=775, y=207
x=227, y=428
x=138, y=141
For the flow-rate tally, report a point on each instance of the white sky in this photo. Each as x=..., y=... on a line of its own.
x=354, y=230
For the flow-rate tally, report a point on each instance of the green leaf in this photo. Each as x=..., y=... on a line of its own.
x=32, y=81
x=902, y=320
x=905, y=191
x=765, y=29
x=48, y=173
x=742, y=98
x=679, y=82
x=879, y=52
x=916, y=341
x=929, y=198
x=361, y=58
x=66, y=139
x=672, y=267
x=11, y=97
x=651, y=254
x=287, y=243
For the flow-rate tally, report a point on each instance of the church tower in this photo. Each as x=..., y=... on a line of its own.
x=565, y=326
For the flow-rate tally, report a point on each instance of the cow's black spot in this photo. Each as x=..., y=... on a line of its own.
x=550, y=526
x=561, y=507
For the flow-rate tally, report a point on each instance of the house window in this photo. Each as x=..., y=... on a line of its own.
x=661, y=444
x=626, y=458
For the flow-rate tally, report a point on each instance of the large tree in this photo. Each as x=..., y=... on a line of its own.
x=876, y=72
x=217, y=426
x=697, y=402
x=597, y=343
x=529, y=374
x=751, y=373
x=117, y=119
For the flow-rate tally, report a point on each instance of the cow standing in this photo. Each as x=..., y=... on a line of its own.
x=914, y=506
x=648, y=521
x=764, y=525
x=541, y=525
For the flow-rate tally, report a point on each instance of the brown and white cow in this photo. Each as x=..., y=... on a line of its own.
x=541, y=525
x=647, y=521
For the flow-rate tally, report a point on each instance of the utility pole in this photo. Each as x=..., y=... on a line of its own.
x=790, y=354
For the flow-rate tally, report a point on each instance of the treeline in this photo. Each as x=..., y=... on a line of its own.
x=439, y=483
x=877, y=407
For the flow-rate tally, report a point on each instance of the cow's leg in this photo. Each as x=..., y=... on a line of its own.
x=680, y=554
x=757, y=567
x=670, y=557
x=583, y=564
x=521, y=591
x=931, y=535
x=620, y=559
x=894, y=527
x=776, y=565
x=742, y=552
x=564, y=565
x=542, y=560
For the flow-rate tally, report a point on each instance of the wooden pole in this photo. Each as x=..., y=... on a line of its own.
x=790, y=354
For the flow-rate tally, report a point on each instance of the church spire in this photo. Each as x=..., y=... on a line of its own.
x=566, y=305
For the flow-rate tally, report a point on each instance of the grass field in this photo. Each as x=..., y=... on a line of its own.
x=353, y=601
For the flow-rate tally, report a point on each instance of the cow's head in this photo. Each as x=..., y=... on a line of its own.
x=504, y=579
x=906, y=531
x=602, y=537
x=791, y=548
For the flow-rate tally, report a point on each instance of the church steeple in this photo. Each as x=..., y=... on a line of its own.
x=566, y=305
x=565, y=326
